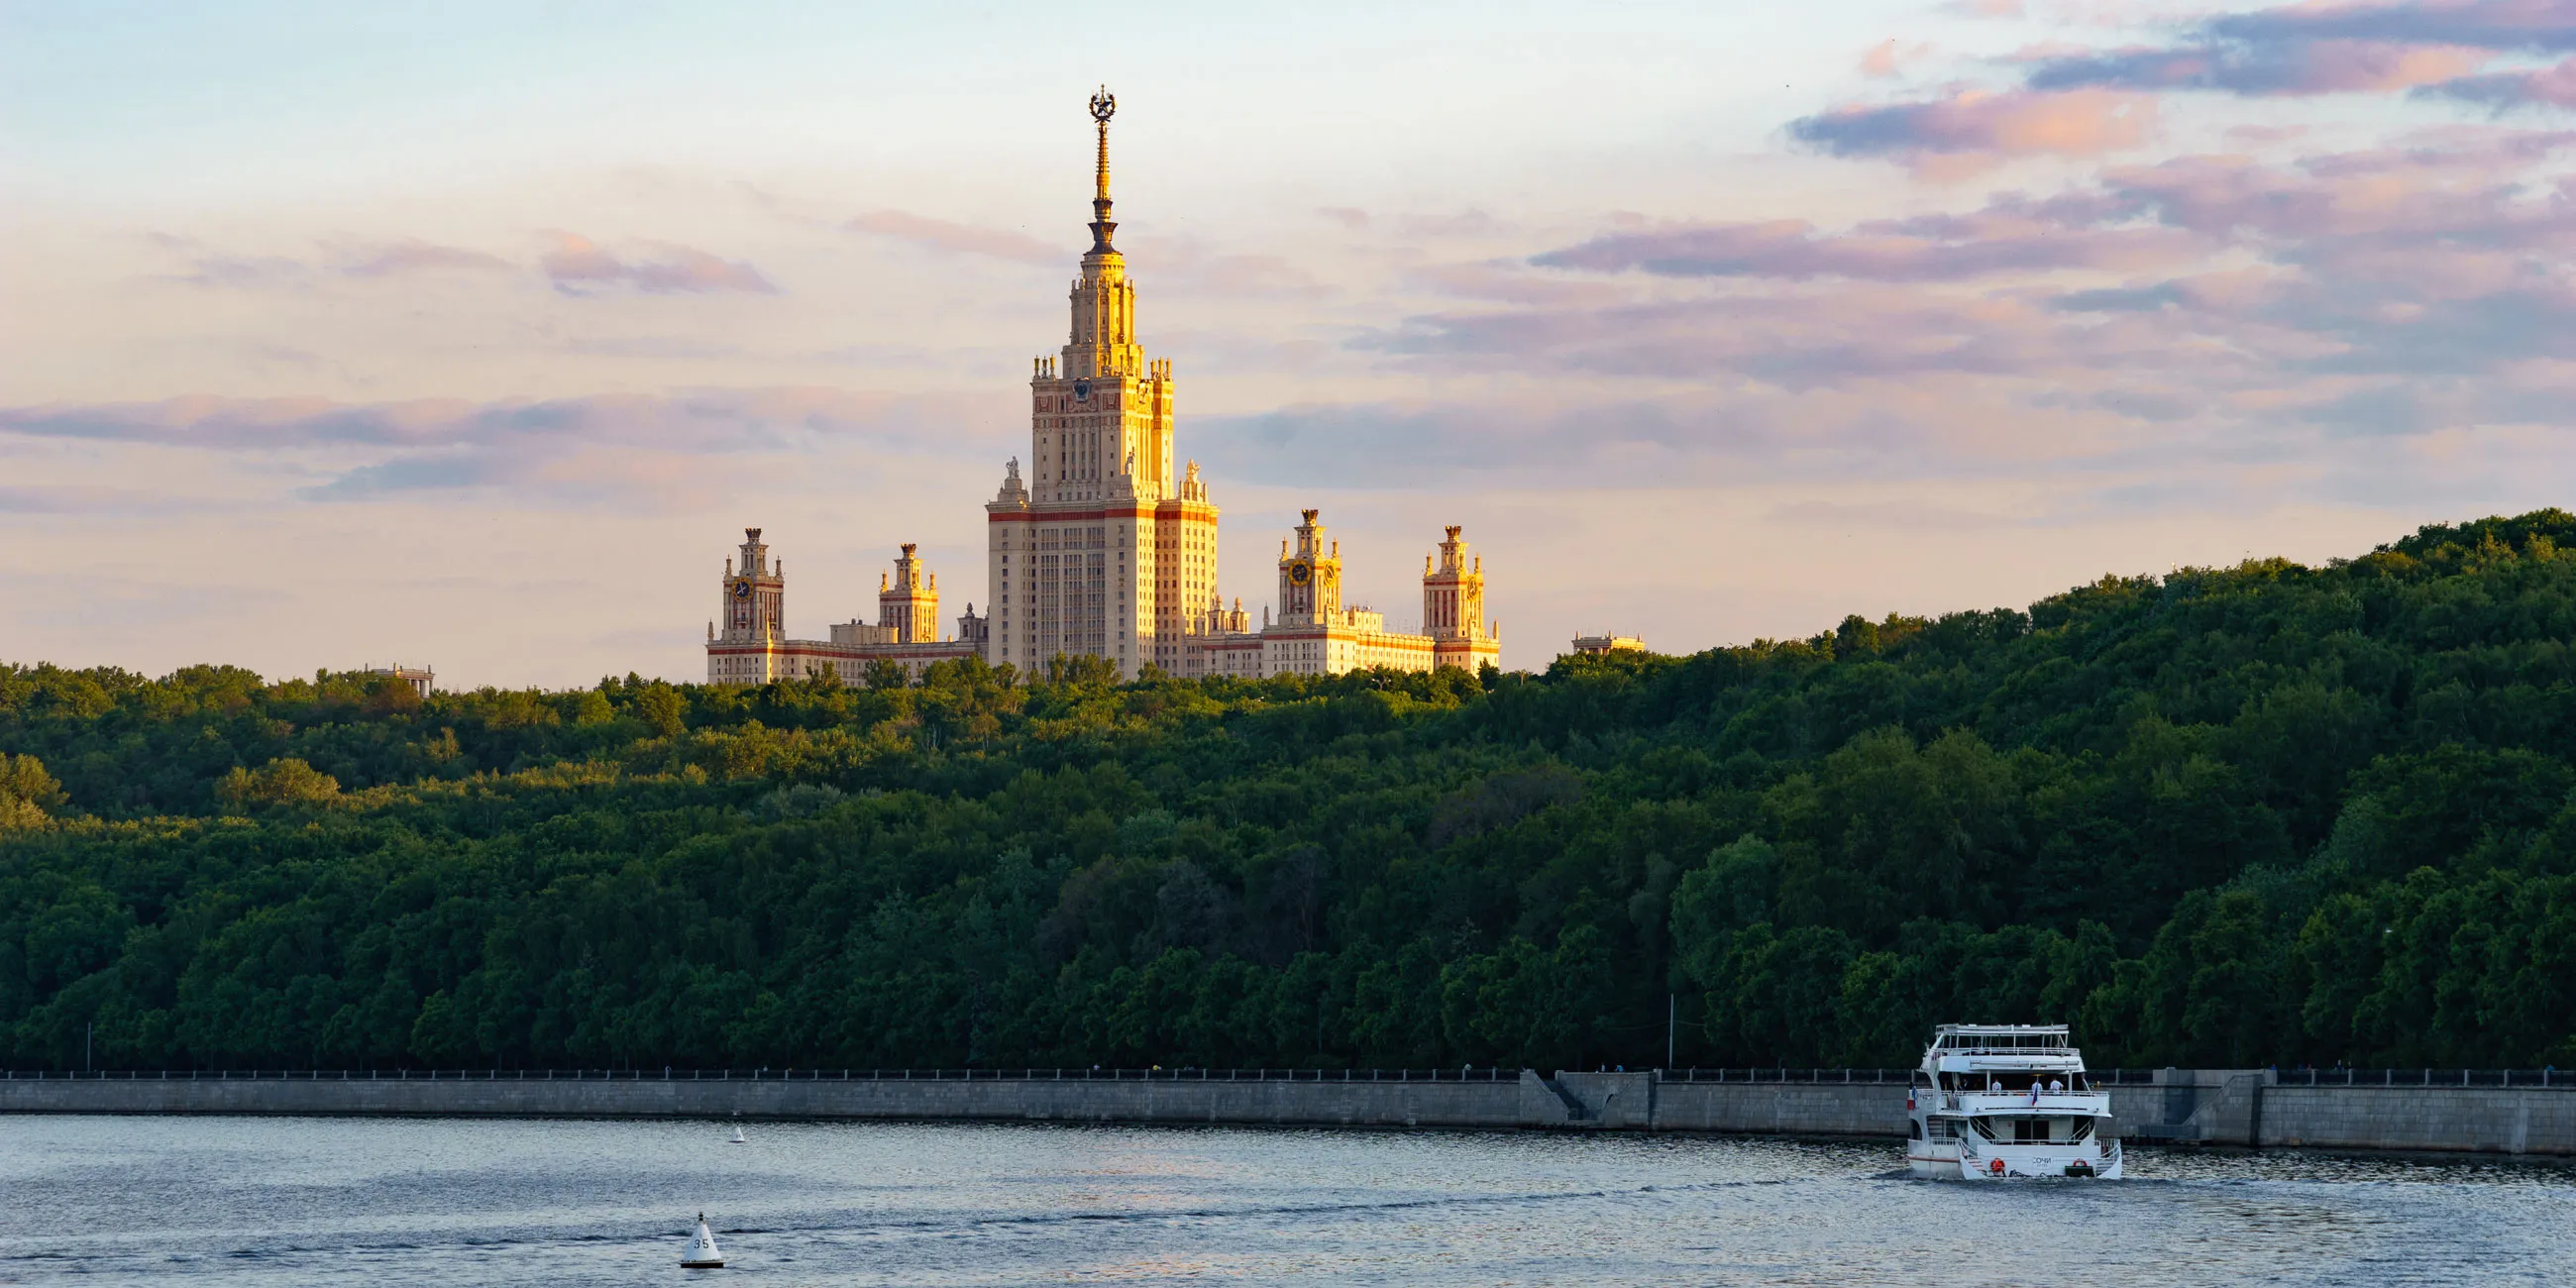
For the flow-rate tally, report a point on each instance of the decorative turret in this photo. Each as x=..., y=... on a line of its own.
x=1453, y=592
x=753, y=603
x=908, y=601
x=1310, y=576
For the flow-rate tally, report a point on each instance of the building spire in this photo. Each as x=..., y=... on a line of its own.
x=1103, y=106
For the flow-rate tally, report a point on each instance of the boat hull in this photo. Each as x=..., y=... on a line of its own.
x=2058, y=1162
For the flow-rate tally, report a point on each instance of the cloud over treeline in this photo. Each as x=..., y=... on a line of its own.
x=2211, y=310
x=588, y=448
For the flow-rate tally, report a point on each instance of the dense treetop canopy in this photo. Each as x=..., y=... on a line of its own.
x=2224, y=817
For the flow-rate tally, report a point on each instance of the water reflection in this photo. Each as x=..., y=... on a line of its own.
x=286, y=1201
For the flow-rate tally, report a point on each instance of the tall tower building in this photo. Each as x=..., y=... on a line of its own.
x=1108, y=547
x=1105, y=545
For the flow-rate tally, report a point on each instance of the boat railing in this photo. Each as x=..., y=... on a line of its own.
x=1785, y=1074
x=2096, y=1081
x=2009, y=1101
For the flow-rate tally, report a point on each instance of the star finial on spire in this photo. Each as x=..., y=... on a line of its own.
x=1103, y=106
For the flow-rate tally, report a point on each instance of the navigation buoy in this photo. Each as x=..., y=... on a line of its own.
x=702, y=1253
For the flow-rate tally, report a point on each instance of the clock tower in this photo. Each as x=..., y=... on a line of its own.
x=753, y=607
x=1310, y=576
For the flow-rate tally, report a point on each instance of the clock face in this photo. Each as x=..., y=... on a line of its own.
x=742, y=589
x=1299, y=573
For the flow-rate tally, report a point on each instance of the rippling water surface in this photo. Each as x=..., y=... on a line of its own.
x=412, y=1201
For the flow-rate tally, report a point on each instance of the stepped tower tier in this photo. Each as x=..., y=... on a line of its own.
x=1106, y=547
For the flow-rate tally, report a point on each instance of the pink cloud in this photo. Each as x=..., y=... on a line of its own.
x=2299, y=67
x=2000, y=239
x=583, y=450
x=578, y=266
x=2486, y=24
x=1887, y=56
x=413, y=255
x=957, y=239
x=2546, y=87
x=2204, y=290
x=1977, y=124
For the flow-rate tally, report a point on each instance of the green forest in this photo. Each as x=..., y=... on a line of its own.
x=2268, y=814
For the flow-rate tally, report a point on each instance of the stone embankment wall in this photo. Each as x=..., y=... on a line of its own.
x=2204, y=1106
x=2254, y=1107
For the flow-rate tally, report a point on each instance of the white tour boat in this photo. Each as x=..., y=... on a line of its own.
x=2002, y=1100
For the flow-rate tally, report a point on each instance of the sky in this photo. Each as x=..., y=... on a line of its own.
x=473, y=334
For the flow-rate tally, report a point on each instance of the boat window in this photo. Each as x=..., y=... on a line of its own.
x=1914, y=1129
x=2030, y=1131
x=2082, y=1129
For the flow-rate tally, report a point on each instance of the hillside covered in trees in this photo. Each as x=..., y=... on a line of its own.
x=2225, y=817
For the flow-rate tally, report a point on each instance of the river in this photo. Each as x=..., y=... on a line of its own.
x=250, y=1201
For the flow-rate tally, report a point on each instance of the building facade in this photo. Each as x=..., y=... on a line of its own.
x=423, y=681
x=1317, y=634
x=1608, y=642
x=748, y=644
x=1105, y=545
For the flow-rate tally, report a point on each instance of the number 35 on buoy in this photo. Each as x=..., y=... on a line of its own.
x=702, y=1253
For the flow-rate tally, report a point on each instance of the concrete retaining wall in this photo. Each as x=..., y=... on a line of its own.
x=2252, y=1107
x=2203, y=1106
x=1375, y=1104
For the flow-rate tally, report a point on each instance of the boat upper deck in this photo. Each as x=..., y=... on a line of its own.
x=2033, y=1051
